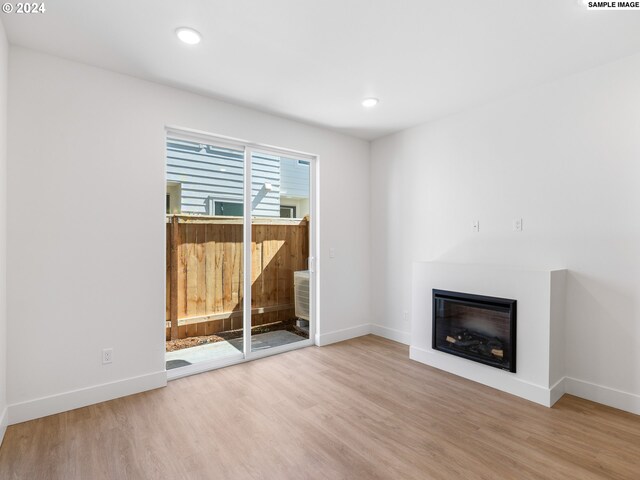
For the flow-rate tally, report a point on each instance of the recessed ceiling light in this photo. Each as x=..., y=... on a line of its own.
x=370, y=102
x=188, y=35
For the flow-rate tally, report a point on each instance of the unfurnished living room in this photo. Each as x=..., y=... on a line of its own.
x=296, y=239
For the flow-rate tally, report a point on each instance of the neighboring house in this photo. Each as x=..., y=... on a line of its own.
x=294, y=188
x=207, y=180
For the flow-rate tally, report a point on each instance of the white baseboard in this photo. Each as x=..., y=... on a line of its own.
x=557, y=391
x=489, y=376
x=629, y=402
x=344, y=334
x=4, y=421
x=391, y=334
x=62, y=402
x=363, y=329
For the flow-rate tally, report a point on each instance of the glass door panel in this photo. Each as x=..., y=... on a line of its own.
x=205, y=252
x=280, y=246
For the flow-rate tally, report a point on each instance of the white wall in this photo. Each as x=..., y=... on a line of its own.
x=4, y=63
x=565, y=157
x=87, y=270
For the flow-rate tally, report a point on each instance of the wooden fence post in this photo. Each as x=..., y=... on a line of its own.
x=173, y=277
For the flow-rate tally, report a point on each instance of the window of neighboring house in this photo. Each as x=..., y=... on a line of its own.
x=287, y=211
x=174, y=199
x=229, y=209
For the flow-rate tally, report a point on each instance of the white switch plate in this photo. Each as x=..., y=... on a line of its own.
x=332, y=253
x=517, y=225
x=476, y=226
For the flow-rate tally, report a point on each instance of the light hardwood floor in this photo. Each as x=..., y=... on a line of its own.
x=357, y=409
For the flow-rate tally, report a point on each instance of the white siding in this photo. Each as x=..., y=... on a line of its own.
x=208, y=173
x=294, y=177
x=203, y=172
x=265, y=169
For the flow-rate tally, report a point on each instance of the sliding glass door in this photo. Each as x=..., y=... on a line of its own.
x=239, y=251
x=280, y=250
x=205, y=251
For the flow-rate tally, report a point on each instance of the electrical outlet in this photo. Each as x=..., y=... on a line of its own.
x=332, y=253
x=476, y=226
x=405, y=316
x=107, y=355
x=517, y=225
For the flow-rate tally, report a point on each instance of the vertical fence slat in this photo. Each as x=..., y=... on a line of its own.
x=209, y=265
x=199, y=250
x=218, y=299
x=174, y=239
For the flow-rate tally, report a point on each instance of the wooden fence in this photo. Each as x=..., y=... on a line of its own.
x=205, y=272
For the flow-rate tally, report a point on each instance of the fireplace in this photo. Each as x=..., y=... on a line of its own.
x=475, y=327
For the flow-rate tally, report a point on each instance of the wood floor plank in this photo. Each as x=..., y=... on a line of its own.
x=359, y=409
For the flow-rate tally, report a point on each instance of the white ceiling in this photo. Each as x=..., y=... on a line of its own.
x=315, y=60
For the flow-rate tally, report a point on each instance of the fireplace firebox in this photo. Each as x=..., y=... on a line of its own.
x=475, y=327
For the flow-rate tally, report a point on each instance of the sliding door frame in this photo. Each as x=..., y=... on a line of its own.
x=249, y=148
x=248, y=219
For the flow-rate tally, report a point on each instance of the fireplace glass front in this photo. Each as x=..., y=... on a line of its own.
x=475, y=327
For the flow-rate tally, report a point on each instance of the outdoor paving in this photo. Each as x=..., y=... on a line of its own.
x=212, y=351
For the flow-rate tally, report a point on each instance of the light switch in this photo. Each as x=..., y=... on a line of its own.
x=517, y=225
x=332, y=253
x=476, y=226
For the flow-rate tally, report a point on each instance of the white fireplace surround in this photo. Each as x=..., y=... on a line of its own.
x=540, y=325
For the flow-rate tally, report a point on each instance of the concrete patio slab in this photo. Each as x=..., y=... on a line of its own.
x=218, y=350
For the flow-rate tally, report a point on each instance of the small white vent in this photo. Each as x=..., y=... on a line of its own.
x=301, y=293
